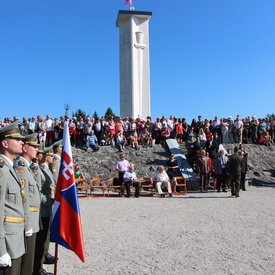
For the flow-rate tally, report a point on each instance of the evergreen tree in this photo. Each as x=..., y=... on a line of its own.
x=108, y=113
x=95, y=115
x=80, y=113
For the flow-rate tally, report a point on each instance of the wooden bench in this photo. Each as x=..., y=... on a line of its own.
x=111, y=186
x=146, y=183
x=99, y=186
x=183, y=180
x=81, y=187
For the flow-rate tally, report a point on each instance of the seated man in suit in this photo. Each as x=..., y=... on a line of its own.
x=130, y=178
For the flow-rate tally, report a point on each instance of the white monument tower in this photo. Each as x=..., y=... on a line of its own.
x=134, y=63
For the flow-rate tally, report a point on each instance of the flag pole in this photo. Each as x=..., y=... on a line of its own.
x=56, y=259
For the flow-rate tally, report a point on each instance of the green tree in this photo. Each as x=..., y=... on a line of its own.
x=108, y=113
x=80, y=113
x=95, y=115
x=272, y=115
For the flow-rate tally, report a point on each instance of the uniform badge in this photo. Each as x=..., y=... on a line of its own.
x=1, y=175
x=22, y=184
x=20, y=171
x=54, y=169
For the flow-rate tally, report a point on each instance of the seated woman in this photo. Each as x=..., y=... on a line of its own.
x=262, y=139
x=120, y=141
x=78, y=175
x=268, y=139
x=134, y=140
x=145, y=138
x=165, y=134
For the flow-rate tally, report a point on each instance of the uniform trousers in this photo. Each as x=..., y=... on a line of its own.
x=28, y=257
x=235, y=185
x=14, y=269
x=41, y=243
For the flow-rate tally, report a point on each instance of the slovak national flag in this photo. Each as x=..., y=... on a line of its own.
x=66, y=228
x=129, y=2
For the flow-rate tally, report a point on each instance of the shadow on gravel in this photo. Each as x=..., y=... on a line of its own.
x=260, y=183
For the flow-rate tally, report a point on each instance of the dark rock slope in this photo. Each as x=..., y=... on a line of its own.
x=102, y=163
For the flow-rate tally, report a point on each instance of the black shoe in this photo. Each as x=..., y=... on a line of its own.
x=49, y=259
x=42, y=271
x=170, y=195
x=244, y=189
x=224, y=190
x=137, y=196
x=162, y=195
x=218, y=190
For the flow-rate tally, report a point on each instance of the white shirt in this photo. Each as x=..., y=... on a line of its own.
x=160, y=176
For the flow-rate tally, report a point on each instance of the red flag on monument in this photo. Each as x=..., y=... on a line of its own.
x=66, y=228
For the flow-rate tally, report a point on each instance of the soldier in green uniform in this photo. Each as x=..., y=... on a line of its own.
x=55, y=165
x=234, y=168
x=47, y=188
x=22, y=166
x=12, y=199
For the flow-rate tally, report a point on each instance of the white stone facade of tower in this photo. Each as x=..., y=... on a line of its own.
x=134, y=63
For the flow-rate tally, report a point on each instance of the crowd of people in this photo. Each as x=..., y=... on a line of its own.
x=138, y=132
x=30, y=160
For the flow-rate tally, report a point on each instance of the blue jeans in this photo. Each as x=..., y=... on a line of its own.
x=92, y=145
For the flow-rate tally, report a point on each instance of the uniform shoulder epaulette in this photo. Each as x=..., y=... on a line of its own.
x=2, y=163
x=43, y=165
x=22, y=163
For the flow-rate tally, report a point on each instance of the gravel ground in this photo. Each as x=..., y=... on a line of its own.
x=200, y=233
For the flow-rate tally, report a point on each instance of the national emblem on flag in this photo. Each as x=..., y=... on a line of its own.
x=66, y=228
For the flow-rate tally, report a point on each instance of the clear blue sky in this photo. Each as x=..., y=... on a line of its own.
x=208, y=58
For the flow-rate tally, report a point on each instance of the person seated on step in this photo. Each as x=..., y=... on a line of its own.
x=134, y=140
x=120, y=141
x=91, y=141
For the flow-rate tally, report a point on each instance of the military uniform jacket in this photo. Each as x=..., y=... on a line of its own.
x=54, y=167
x=234, y=165
x=48, y=190
x=12, y=213
x=32, y=193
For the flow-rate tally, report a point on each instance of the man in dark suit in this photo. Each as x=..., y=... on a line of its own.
x=212, y=147
x=217, y=138
x=220, y=170
x=203, y=170
x=198, y=144
x=234, y=168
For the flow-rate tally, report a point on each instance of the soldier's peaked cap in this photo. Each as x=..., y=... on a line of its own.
x=10, y=131
x=31, y=140
x=57, y=144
